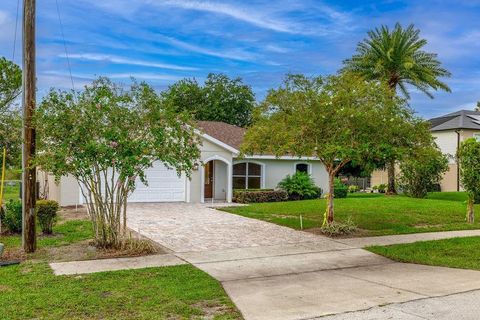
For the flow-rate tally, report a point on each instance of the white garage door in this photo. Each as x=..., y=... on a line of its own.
x=164, y=185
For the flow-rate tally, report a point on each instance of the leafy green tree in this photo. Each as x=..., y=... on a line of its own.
x=469, y=161
x=396, y=56
x=335, y=119
x=219, y=99
x=422, y=170
x=10, y=120
x=106, y=137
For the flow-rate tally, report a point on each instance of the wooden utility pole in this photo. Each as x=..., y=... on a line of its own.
x=28, y=151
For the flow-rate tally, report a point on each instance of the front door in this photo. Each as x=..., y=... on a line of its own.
x=208, y=187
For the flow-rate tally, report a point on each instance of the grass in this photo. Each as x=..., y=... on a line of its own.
x=11, y=191
x=31, y=290
x=453, y=253
x=374, y=214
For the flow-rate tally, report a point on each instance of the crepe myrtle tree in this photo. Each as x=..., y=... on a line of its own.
x=106, y=136
x=336, y=119
x=469, y=161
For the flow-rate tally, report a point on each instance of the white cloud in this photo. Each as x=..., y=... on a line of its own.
x=122, y=60
x=254, y=17
x=85, y=77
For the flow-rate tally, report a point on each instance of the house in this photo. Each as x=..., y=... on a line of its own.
x=222, y=172
x=449, y=131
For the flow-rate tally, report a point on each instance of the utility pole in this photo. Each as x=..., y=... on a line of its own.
x=28, y=150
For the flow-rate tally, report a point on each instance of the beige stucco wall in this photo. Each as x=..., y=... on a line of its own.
x=379, y=177
x=66, y=192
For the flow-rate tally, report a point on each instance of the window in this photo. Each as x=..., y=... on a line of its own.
x=247, y=175
x=302, y=167
x=477, y=136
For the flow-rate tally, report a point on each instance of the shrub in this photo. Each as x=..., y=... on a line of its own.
x=247, y=196
x=353, y=188
x=300, y=186
x=47, y=214
x=336, y=229
x=381, y=188
x=13, y=216
x=340, y=189
x=421, y=171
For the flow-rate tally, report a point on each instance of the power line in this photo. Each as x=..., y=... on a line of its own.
x=16, y=28
x=65, y=45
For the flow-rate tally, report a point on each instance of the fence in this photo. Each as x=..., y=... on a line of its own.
x=362, y=183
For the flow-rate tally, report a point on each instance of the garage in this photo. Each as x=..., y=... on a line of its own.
x=164, y=185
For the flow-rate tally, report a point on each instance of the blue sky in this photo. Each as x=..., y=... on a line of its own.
x=162, y=41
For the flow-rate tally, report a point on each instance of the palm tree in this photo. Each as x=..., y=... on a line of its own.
x=396, y=56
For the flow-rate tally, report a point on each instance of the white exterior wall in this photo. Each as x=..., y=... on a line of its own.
x=275, y=170
x=220, y=180
x=447, y=142
x=209, y=151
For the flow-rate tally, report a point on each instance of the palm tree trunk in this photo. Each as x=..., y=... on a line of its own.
x=391, y=190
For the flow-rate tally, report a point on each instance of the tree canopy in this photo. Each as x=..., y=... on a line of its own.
x=396, y=56
x=107, y=136
x=219, y=99
x=336, y=119
x=10, y=120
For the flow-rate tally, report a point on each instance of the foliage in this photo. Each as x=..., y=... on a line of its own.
x=249, y=196
x=381, y=188
x=300, y=186
x=13, y=216
x=10, y=83
x=106, y=137
x=353, y=188
x=396, y=56
x=420, y=172
x=219, y=99
x=469, y=162
x=10, y=118
x=337, y=229
x=340, y=189
x=47, y=211
x=332, y=118
x=375, y=214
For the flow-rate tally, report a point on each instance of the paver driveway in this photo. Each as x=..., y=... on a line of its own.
x=273, y=272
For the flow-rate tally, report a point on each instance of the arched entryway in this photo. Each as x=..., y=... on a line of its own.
x=216, y=180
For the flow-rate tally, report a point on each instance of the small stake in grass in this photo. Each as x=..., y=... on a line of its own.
x=301, y=222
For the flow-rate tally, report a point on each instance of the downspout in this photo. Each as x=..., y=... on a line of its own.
x=458, y=166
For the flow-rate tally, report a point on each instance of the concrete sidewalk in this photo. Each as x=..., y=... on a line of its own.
x=407, y=238
x=102, y=265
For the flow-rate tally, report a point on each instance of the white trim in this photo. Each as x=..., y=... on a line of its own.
x=271, y=157
x=262, y=174
x=229, y=177
x=302, y=162
x=217, y=142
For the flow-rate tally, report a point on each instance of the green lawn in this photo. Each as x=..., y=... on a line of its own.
x=31, y=290
x=374, y=214
x=454, y=253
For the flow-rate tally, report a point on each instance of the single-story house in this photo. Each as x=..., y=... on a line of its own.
x=449, y=131
x=221, y=172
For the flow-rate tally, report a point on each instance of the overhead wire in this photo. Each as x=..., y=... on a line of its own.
x=65, y=45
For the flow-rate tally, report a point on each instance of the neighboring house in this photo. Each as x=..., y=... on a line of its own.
x=449, y=131
x=221, y=172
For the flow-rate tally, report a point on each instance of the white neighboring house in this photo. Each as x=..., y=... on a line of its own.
x=221, y=172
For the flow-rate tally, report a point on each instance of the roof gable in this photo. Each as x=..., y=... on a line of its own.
x=226, y=133
x=463, y=119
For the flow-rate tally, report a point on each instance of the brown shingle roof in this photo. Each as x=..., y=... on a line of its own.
x=227, y=133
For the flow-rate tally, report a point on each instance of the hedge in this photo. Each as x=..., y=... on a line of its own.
x=248, y=196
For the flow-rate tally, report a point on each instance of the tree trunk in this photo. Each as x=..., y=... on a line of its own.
x=330, y=211
x=391, y=190
x=470, y=212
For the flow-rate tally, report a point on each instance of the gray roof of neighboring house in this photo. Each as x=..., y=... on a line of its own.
x=463, y=119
